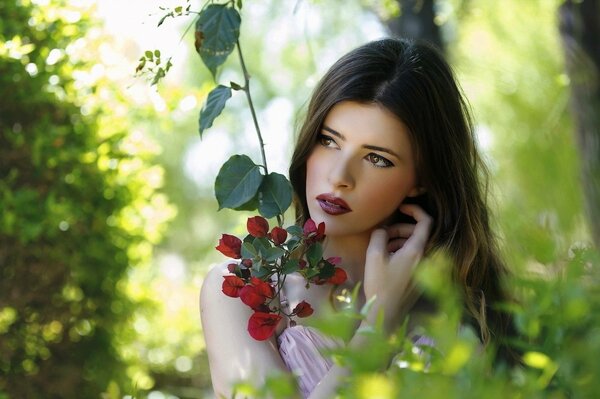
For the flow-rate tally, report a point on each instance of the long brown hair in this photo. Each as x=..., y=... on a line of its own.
x=412, y=80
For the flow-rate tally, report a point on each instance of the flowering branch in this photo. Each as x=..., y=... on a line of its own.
x=263, y=258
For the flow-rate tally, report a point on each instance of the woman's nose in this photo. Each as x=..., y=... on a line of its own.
x=341, y=174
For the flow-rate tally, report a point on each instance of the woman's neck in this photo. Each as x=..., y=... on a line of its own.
x=352, y=250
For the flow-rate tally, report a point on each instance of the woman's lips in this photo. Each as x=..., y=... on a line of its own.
x=332, y=204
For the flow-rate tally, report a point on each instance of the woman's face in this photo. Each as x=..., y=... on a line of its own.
x=360, y=170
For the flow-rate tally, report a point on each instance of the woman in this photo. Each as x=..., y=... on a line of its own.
x=386, y=157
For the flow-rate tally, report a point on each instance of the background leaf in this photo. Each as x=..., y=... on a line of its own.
x=237, y=182
x=215, y=102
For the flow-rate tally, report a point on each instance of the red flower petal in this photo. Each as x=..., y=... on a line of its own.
x=251, y=297
x=232, y=286
x=309, y=227
x=263, y=288
x=257, y=226
x=278, y=235
x=320, y=232
x=303, y=309
x=261, y=325
x=230, y=246
x=312, y=233
x=339, y=276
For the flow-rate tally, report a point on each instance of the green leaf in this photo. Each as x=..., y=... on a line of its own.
x=314, y=253
x=248, y=251
x=149, y=55
x=292, y=243
x=251, y=205
x=295, y=230
x=291, y=266
x=237, y=182
x=219, y=27
x=276, y=193
x=235, y=86
x=261, y=272
x=214, y=106
x=262, y=245
x=273, y=253
x=157, y=53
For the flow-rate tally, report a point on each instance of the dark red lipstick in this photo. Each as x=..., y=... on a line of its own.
x=332, y=204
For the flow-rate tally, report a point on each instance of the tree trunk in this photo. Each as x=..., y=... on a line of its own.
x=416, y=21
x=579, y=23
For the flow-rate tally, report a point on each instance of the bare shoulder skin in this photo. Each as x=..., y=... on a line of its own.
x=233, y=355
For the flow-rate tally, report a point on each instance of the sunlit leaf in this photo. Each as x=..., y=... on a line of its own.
x=276, y=193
x=219, y=27
x=214, y=106
x=237, y=182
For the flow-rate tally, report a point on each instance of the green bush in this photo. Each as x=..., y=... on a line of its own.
x=79, y=206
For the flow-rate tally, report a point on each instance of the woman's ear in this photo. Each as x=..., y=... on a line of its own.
x=416, y=191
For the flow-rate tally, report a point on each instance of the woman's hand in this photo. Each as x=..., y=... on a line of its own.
x=392, y=256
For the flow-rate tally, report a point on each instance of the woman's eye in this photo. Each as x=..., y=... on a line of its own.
x=325, y=141
x=379, y=161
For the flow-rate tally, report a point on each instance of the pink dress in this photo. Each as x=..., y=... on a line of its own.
x=301, y=349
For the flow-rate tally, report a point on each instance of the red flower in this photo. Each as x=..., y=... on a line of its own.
x=261, y=325
x=257, y=226
x=232, y=267
x=303, y=309
x=278, y=235
x=230, y=246
x=232, y=286
x=312, y=233
x=251, y=297
x=256, y=293
x=339, y=276
x=262, y=287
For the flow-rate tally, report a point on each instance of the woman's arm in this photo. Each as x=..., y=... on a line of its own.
x=232, y=354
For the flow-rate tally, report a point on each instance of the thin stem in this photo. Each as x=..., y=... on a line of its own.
x=246, y=89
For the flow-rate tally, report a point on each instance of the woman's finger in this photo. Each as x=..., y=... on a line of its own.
x=400, y=230
x=420, y=236
x=377, y=249
x=394, y=245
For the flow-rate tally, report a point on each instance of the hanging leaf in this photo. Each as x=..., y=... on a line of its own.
x=276, y=193
x=218, y=27
x=214, y=106
x=250, y=206
x=237, y=182
x=314, y=254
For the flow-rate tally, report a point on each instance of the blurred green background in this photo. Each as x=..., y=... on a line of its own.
x=107, y=217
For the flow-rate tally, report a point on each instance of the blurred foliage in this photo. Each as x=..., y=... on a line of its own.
x=80, y=207
x=97, y=296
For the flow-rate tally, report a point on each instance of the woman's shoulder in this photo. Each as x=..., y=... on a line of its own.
x=214, y=280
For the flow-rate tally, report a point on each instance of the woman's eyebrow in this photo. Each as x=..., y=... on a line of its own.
x=335, y=133
x=367, y=146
